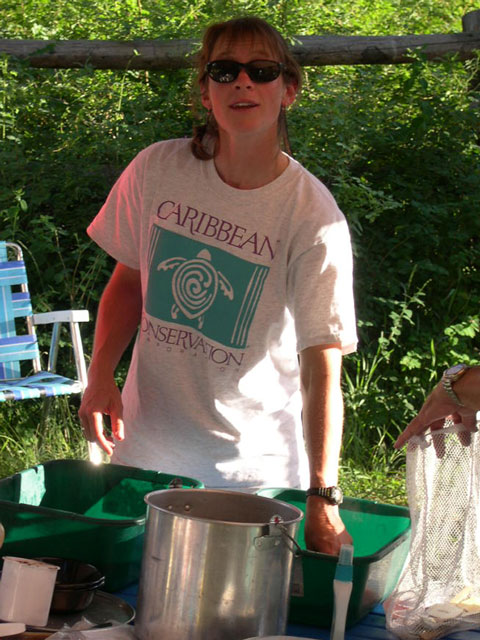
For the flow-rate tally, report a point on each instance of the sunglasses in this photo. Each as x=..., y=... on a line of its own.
x=258, y=70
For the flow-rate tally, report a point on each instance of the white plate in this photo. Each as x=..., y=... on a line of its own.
x=104, y=608
x=11, y=628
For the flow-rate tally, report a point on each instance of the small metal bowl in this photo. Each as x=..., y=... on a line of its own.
x=75, y=585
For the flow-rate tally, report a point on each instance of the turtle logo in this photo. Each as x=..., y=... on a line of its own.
x=195, y=285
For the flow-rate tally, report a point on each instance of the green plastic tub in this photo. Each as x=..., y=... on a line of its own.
x=75, y=509
x=381, y=540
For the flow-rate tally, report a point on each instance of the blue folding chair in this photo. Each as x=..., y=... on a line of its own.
x=21, y=374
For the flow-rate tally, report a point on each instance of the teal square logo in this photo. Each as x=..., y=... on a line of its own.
x=196, y=285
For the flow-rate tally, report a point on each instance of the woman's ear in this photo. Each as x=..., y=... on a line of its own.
x=290, y=94
x=205, y=97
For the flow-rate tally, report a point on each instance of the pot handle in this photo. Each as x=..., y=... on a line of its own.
x=276, y=530
x=295, y=548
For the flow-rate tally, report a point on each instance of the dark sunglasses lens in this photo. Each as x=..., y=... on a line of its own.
x=258, y=70
x=263, y=70
x=223, y=70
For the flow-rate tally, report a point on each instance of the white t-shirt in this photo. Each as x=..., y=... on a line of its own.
x=235, y=283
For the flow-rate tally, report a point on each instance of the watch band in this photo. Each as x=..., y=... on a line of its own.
x=334, y=495
x=447, y=386
x=450, y=376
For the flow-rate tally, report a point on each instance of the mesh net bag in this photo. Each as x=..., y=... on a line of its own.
x=439, y=589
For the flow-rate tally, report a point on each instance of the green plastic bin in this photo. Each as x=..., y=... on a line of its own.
x=75, y=509
x=381, y=540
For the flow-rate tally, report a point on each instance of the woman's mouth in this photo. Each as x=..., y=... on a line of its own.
x=243, y=105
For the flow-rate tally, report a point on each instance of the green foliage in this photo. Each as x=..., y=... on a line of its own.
x=397, y=145
x=28, y=435
x=373, y=483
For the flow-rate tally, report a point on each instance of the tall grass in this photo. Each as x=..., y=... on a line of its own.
x=28, y=436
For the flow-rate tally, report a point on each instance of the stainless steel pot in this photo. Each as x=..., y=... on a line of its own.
x=216, y=565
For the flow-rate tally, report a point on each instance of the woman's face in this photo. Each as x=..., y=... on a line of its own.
x=244, y=107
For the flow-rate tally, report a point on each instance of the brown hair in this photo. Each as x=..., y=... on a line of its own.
x=248, y=27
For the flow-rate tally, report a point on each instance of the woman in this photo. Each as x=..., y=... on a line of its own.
x=228, y=253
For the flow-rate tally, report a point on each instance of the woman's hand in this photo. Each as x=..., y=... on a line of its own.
x=102, y=397
x=324, y=529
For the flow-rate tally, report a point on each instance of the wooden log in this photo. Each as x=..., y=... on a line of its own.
x=334, y=50
x=471, y=21
x=176, y=54
x=471, y=24
x=102, y=54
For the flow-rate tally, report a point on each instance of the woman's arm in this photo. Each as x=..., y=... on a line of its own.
x=320, y=373
x=118, y=318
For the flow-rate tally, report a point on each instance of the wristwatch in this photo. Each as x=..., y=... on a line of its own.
x=451, y=375
x=334, y=495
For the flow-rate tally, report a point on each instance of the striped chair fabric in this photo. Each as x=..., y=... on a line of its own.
x=14, y=349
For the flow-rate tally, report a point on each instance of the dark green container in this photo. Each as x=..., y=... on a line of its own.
x=381, y=540
x=75, y=509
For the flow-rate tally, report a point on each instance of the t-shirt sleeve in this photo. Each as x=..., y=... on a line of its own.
x=320, y=290
x=117, y=226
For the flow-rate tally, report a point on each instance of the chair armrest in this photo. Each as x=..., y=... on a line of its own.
x=70, y=315
x=73, y=317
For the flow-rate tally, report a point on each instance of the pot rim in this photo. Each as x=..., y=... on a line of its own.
x=299, y=515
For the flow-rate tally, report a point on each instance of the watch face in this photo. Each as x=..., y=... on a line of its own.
x=337, y=495
x=455, y=369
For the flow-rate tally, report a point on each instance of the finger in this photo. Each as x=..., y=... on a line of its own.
x=346, y=538
x=438, y=440
x=333, y=543
x=323, y=545
x=470, y=422
x=332, y=548
x=88, y=426
x=437, y=424
x=118, y=429
x=105, y=443
x=116, y=419
x=404, y=437
x=413, y=428
x=465, y=438
x=400, y=441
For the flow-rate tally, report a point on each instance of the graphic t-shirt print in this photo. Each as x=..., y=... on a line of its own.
x=203, y=287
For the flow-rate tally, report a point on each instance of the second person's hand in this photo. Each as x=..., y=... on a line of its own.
x=437, y=408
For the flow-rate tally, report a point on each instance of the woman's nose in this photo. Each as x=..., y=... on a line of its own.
x=243, y=79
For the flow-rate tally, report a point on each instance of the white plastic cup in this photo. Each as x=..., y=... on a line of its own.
x=26, y=591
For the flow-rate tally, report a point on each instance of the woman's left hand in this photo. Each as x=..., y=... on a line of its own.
x=324, y=529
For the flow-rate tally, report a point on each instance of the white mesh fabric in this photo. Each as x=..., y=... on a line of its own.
x=439, y=589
